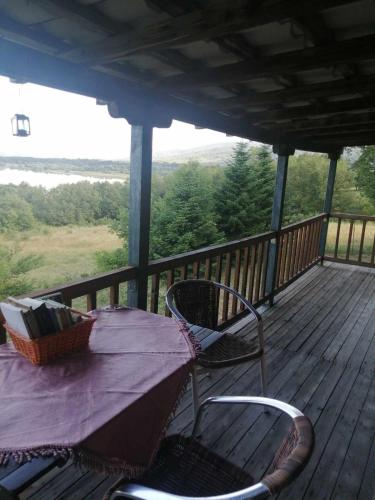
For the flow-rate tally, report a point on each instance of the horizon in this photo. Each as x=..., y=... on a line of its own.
x=71, y=126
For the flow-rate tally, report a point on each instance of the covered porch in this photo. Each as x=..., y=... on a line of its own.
x=320, y=338
x=310, y=88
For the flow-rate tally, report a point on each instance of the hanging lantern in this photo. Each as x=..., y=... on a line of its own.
x=20, y=125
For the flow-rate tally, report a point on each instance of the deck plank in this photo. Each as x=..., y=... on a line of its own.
x=320, y=344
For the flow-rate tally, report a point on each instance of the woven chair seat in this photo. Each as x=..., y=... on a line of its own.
x=185, y=467
x=230, y=349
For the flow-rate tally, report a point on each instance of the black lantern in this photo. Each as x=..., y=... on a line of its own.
x=20, y=125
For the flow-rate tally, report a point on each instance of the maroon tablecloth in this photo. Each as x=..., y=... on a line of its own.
x=107, y=406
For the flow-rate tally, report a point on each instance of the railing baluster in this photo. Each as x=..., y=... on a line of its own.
x=207, y=269
x=183, y=272
x=155, y=284
x=350, y=236
x=196, y=268
x=264, y=270
x=338, y=230
x=293, y=254
x=298, y=251
x=91, y=301
x=373, y=251
x=228, y=268
x=219, y=267
x=245, y=272
x=284, y=247
x=258, y=271
x=236, y=282
x=362, y=241
x=251, y=273
x=114, y=292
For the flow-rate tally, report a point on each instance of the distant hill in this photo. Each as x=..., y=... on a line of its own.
x=212, y=154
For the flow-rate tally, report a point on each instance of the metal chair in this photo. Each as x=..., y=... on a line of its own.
x=196, y=302
x=185, y=469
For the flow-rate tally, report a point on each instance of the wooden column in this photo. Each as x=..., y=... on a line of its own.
x=283, y=153
x=333, y=158
x=139, y=211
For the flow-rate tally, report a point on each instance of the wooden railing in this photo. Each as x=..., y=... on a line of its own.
x=351, y=239
x=298, y=249
x=241, y=264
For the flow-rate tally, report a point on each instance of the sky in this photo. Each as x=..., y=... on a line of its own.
x=65, y=125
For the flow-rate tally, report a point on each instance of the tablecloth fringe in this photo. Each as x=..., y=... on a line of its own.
x=25, y=455
x=85, y=459
x=193, y=341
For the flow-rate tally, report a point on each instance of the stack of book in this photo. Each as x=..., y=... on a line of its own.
x=36, y=318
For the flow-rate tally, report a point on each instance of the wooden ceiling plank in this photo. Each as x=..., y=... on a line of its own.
x=224, y=18
x=346, y=51
x=311, y=111
x=299, y=92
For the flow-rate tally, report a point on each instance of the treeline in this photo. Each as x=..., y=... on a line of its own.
x=23, y=206
x=195, y=206
x=77, y=166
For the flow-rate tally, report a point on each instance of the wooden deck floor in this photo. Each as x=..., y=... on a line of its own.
x=320, y=339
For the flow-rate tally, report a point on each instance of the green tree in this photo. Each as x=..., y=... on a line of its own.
x=264, y=171
x=365, y=172
x=183, y=219
x=15, y=213
x=244, y=196
x=13, y=269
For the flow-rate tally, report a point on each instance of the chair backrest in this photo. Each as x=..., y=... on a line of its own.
x=197, y=302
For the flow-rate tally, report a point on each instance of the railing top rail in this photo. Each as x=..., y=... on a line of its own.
x=92, y=284
x=340, y=215
x=310, y=220
x=164, y=264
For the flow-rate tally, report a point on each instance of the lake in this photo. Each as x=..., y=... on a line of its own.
x=47, y=180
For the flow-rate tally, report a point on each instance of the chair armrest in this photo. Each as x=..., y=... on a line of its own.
x=137, y=492
x=295, y=451
x=273, y=403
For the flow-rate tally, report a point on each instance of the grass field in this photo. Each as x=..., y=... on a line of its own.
x=356, y=239
x=68, y=253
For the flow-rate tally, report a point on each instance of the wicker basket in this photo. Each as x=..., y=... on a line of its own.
x=41, y=351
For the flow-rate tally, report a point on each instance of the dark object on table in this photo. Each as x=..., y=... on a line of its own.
x=186, y=468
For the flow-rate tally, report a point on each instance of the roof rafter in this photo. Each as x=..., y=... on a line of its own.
x=224, y=18
x=346, y=51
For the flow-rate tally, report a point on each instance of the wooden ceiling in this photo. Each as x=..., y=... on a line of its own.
x=299, y=73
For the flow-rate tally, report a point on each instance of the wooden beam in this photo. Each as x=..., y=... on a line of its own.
x=139, y=212
x=27, y=64
x=298, y=93
x=333, y=158
x=341, y=120
x=221, y=19
x=346, y=51
x=283, y=153
x=311, y=111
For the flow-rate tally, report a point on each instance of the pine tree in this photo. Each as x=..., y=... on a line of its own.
x=264, y=171
x=235, y=197
x=183, y=219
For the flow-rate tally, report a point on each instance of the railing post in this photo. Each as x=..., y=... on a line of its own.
x=333, y=158
x=283, y=153
x=139, y=212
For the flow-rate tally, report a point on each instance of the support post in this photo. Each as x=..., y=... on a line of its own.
x=283, y=153
x=139, y=212
x=333, y=158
